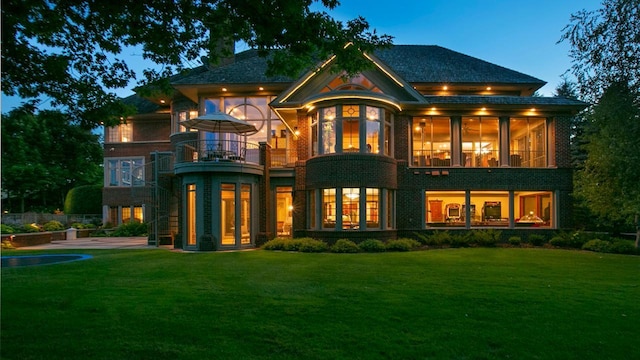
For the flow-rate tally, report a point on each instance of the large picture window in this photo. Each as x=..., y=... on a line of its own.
x=120, y=134
x=124, y=172
x=351, y=128
x=480, y=139
x=527, y=146
x=354, y=209
x=431, y=141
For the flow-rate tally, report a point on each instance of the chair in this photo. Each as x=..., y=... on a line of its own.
x=493, y=162
x=516, y=160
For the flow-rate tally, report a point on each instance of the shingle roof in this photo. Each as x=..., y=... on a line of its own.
x=414, y=63
x=142, y=105
x=503, y=100
x=435, y=64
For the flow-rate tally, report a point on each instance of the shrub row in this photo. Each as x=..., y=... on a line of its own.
x=340, y=246
x=52, y=225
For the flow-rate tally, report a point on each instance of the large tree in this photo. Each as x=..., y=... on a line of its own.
x=71, y=51
x=44, y=156
x=605, y=52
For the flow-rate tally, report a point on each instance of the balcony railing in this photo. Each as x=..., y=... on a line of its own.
x=283, y=157
x=217, y=151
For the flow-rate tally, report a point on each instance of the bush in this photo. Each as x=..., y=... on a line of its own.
x=537, y=239
x=402, y=245
x=560, y=241
x=372, y=245
x=29, y=228
x=53, y=226
x=620, y=246
x=132, y=228
x=489, y=237
x=345, y=246
x=459, y=241
x=596, y=245
x=439, y=238
x=312, y=245
x=6, y=229
x=86, y=199
x=515, y=240
x=6, y=244
x=275, y=244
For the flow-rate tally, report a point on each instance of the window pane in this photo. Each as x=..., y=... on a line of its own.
x=373, y=130
x=284, y=210
x=350, y=208
x=533, y=209
x=492, y=208
x=527, y=142
x=351, y=138
x=480, y=139
x=245, y=213
x=446, y=209
x=191, y=214
x=431, y=141
x=227, y=213
x=329, y=208
x=328, y=130
x=373, y=211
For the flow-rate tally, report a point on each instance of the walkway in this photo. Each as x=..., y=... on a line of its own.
x=96, y=243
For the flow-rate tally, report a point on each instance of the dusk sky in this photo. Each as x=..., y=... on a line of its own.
x=519, y=35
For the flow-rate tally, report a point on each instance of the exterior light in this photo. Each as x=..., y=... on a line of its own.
x=488, y=88
x=260, y=88
x=296, y=132
x=224, y=89
x=484, y=109
x=445, y=88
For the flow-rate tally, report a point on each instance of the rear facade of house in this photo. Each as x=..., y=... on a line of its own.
x=425, y=139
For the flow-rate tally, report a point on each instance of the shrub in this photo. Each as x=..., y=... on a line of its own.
x=537, y=239
x=621, y=246
x=30, y=228
x=6, y=229
x=596, y=245
x=560, y=241
x=439, y=238
x=312, y=245
x=489, y=237
x=53, y=226
x=85, y=199
x=132, y=228
x=402, y=245
x=372, y=245
x=515, y=240
x=77, y=225
x=345, y=246
x=459, y=240
x=6, y=244
x=275, y=244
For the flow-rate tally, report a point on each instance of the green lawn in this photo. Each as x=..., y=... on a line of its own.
x=440, y=304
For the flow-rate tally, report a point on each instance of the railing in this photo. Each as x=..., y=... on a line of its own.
x=217, y=151
x=283, y=157
x=530, y=159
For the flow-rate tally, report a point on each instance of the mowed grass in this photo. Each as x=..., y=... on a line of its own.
x=442, y=304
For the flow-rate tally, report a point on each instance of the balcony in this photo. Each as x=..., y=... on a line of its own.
x=217, y=152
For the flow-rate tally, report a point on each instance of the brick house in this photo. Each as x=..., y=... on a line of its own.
x=426, y=139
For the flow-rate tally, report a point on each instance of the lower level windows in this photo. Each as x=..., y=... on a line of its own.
x=351, y=209
x=123, y=214
x=489, y=209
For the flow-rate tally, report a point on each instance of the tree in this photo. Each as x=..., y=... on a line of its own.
x=609, y=180
x=605, y=52
x=605, y=46
x=45, y=155
x=72, y=51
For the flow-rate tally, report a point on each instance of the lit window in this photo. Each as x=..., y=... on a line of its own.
x=124, y=172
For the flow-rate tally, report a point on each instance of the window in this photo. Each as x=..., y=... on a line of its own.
x=491, y=208
x=120, y=133
x=284, y=210
x=447, y=209
x=533, y=209
x=132, y=213
x=124, y=172
x=527, y=142
x=480, y=139
x=182, y=116
x=357, y=209
x=191, y=215
x=351, y=128
x=431, y=141
x=245, y=214
x=228, y=213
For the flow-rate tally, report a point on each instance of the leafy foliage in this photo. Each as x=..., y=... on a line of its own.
x=132, y=228
x=53, y=225
x=86, y=199
x=45, y=155
x=404, y=244
x=73, y=51
x=345, y=246
x=372, y=245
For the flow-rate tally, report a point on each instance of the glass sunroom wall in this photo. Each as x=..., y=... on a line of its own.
x=445, y=208
x=350, y=128
x=480, y=141
x=328, y=130
x=528, y=142
x=533, y=209
x=492, y=208
x=350, y=208
x=373, y=129
x=431, y=141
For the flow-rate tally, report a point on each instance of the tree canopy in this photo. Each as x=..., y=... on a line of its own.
x=72, y=51
x=44, y=156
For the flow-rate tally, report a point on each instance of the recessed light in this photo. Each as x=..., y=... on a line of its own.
x=260, y=88
x=445, y=88
x=488, y=88
x=224, y=89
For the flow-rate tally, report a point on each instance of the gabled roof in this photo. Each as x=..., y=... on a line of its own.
x=435, y=64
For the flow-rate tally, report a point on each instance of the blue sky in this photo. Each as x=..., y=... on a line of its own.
x=519, y=35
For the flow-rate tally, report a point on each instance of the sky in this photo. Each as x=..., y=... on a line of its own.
x=517, y=34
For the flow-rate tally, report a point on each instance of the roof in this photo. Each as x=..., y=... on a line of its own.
x=435, y=64
x=414, y=63
x=504, y=100
x=142, y=105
